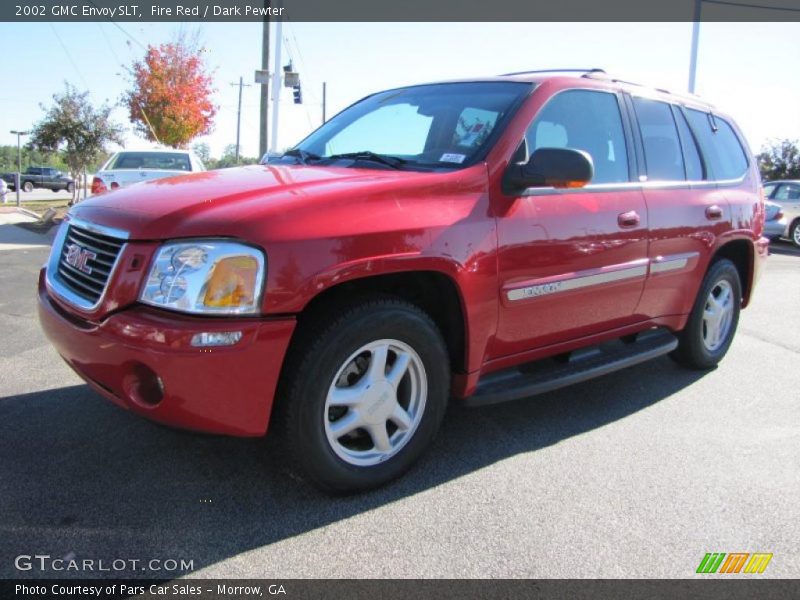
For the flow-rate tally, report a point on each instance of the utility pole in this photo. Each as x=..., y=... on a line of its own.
x=241, y=84
x=324, y=90
x=276, y=84
x=262, y=138
x=698, y=9
x=18, y=181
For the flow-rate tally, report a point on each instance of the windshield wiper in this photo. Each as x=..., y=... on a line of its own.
x=392, y=161
x=302, y=155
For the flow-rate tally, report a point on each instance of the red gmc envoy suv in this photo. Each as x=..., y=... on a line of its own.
x=486, y=240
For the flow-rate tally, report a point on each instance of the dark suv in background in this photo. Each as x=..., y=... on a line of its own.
x=41, y=177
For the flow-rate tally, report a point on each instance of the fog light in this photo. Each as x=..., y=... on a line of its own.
x=216, y=338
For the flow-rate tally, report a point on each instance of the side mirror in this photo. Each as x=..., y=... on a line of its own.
x=551, y=167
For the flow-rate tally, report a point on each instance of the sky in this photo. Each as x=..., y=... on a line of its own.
x=746, y=69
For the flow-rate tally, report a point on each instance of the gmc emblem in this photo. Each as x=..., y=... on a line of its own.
x=78, y=257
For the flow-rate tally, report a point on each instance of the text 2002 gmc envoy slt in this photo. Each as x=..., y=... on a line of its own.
x=487, y=239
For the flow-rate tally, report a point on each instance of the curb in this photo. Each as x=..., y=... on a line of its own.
x=30, y=213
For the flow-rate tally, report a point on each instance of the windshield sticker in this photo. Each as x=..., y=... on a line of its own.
x=452, y=158
x=473, y=135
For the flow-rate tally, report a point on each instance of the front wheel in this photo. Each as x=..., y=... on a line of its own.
x=27, y=186
x=366, y=397
x=712, y=323
x=71, y=188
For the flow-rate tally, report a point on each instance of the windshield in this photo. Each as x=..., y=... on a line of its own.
x=442, y=125
x=168, y=161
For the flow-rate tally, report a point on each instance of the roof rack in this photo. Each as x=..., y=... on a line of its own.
x=601, y=74
x=606, y=77
x=586, y=72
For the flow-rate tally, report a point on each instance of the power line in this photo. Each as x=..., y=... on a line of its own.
x=69, y=56
x=108, y=43
x=118, y=26
x=745, y=5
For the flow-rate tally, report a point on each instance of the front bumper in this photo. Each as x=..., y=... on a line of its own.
x=142, y=360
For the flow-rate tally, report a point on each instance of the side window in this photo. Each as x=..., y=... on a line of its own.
x=584, y=120
x=662, y=146
x=691, y=155
x=722, y=148
x=788, y=192
x=769, y=190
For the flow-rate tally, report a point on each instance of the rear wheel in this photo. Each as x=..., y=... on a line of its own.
x=366, y=397
x=794, y=234
x=712, y=323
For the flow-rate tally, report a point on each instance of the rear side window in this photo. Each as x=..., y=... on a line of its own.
x=662, y=146
x=722, y=149
x=691, y=155
x=584, y=120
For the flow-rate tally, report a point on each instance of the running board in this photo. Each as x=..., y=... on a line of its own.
x=562, y=370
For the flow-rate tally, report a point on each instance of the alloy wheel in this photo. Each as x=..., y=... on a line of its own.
x=718, y=315
x=375, y=403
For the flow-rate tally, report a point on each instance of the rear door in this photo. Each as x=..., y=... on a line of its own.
x=686, y=215
x=572, y=262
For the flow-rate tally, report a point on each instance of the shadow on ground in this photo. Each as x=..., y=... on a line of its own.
x=78, y=475
x=784, y=248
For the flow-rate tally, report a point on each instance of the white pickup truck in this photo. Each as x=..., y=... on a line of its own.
x=134, y=166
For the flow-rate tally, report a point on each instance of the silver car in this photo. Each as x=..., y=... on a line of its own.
x=787, y=195
x=775, y=221
x=135, y=166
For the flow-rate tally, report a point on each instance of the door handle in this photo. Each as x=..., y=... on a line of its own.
x=713, y=212
x=628, y=219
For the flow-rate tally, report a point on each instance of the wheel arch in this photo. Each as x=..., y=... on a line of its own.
x=792, y=224
x=433, y=291
x=742, y=254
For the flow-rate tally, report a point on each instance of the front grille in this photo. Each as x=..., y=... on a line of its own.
x=92, y=262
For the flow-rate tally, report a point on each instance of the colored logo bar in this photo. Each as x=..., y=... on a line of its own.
x=736, y=562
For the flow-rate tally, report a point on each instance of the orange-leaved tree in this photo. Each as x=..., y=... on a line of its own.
x=170, y=95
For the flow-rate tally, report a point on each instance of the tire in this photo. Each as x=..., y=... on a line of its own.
x=27, y=186
x=794, y=233
x=337, y=400
x=71, y=188
x=708, y=335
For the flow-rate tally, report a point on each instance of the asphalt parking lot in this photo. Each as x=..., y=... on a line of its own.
x=637, y=474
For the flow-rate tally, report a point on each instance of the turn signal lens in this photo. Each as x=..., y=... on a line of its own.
x=232, y=283
x=216, y=338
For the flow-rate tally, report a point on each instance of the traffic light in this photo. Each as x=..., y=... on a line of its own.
x=298, y=94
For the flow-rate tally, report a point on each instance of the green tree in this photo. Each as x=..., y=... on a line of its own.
x=203, y=152
x=228, y=159
x=73, y=125
x=30, y=158
x=780, y=159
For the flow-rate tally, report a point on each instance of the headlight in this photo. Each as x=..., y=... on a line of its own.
x=206, y=276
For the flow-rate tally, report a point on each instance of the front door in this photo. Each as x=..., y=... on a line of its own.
x=573, y=262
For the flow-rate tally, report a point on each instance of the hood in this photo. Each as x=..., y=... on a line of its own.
x=227, y=201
